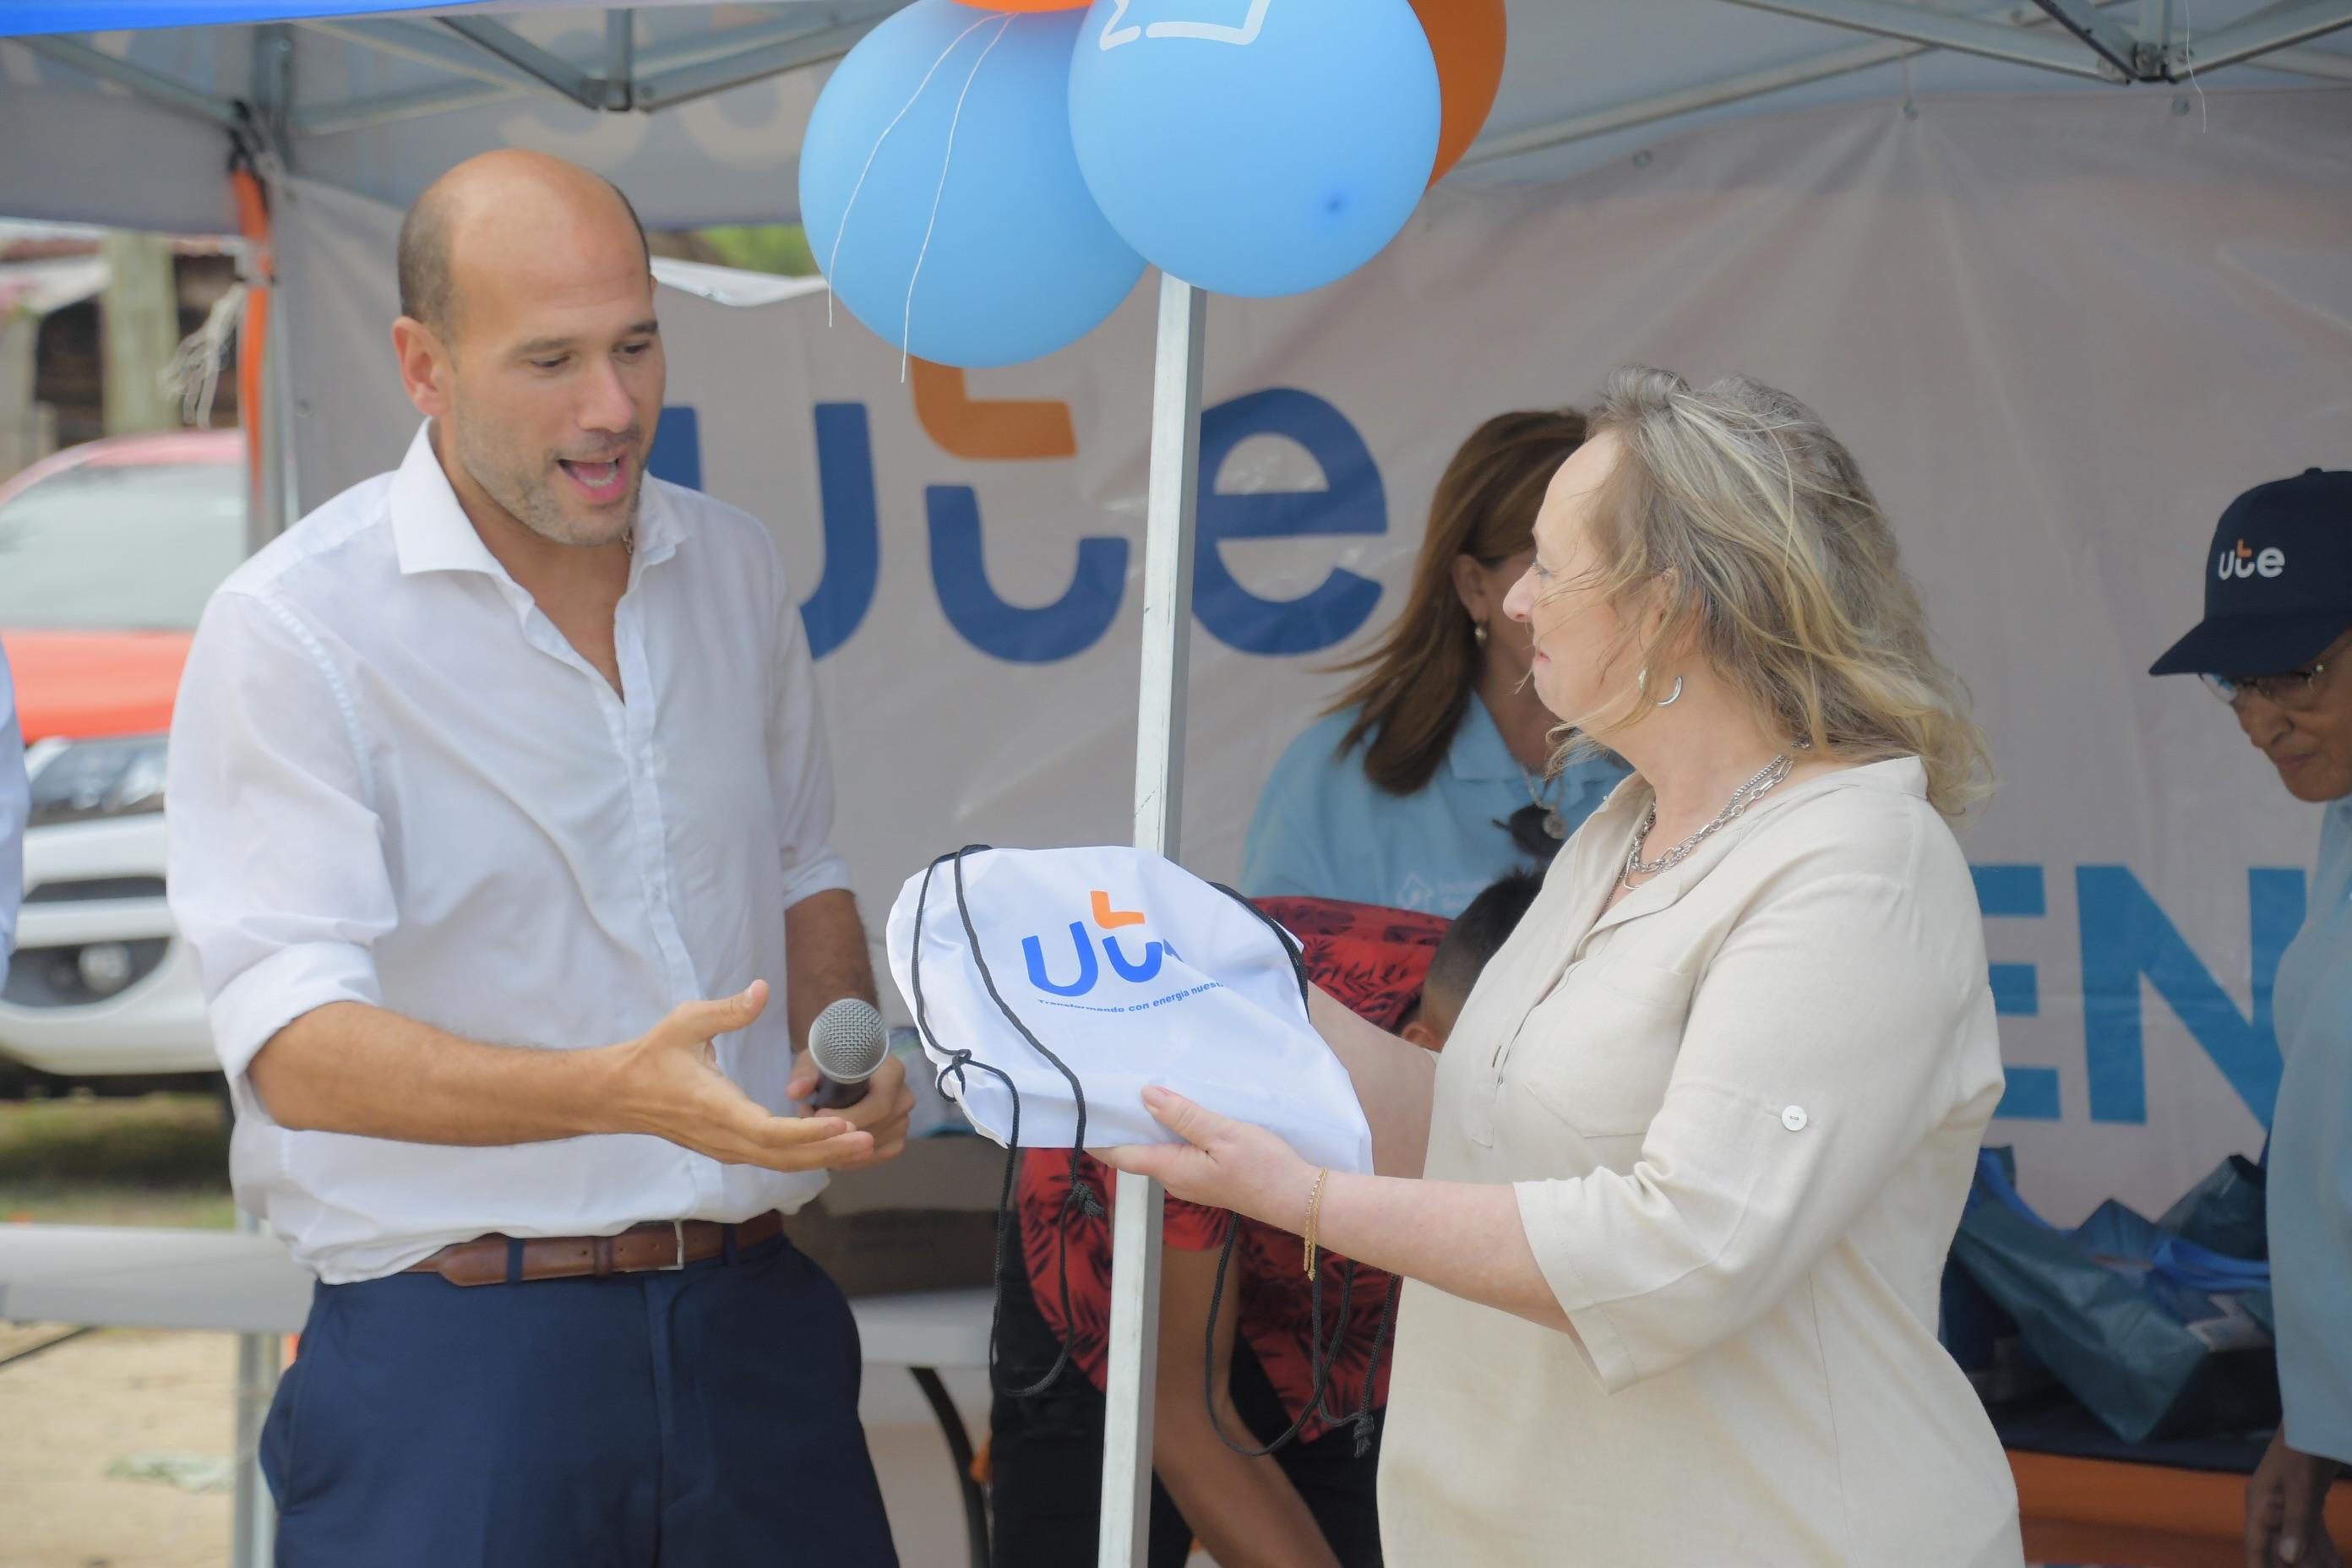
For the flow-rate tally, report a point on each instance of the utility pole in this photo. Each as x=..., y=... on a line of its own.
x=139, y=328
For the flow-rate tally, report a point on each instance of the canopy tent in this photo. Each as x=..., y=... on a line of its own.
x=697, y=109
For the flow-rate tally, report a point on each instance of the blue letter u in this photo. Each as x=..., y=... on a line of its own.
x=1019, y=634
x=1089, y=973
x=1137, y=973
x=853, y=538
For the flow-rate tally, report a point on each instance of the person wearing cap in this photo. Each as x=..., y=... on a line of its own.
x=2276, y=644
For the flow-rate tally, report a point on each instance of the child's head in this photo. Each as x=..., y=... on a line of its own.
x=1476, y=934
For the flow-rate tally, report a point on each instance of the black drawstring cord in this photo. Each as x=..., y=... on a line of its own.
x=1367, y=1425
x=1324, y=1362
x=1083, y=1197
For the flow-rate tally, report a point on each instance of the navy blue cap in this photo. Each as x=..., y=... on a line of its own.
x=2278, y=581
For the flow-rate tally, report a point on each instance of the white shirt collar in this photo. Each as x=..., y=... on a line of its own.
x=433, y=533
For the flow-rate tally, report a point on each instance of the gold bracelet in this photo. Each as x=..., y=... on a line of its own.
x=1314, y=1212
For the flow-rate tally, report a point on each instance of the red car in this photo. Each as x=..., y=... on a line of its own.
x=108, y=553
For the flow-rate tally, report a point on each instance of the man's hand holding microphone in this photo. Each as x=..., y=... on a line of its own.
x=856, y=1091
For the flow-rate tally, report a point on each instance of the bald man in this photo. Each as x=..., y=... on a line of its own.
x=499, y=804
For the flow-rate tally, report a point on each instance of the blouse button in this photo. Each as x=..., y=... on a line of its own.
x=1793, y=1118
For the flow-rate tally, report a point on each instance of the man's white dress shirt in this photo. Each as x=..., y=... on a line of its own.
x=393, y=782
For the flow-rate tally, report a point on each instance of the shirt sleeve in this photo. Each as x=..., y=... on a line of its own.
x=15, y=807
x=275, y=867
x=1818, y=1055
x=800, y=764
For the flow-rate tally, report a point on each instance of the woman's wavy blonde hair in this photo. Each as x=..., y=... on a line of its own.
x=1735, y=503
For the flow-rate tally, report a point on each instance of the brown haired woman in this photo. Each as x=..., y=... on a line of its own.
x=1427, y=780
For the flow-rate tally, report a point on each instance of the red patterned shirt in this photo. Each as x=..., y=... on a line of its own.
x=1374, y=961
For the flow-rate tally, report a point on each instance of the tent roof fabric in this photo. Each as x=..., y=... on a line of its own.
x=697, y=109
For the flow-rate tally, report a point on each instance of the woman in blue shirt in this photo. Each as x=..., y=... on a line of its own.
x=2278, y=608
x=1426, y=780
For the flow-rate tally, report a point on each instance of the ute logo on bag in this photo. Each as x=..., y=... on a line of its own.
x=1089, y=971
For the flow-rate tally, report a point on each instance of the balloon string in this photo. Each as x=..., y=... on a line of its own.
x=907, y=325
x=834, y=255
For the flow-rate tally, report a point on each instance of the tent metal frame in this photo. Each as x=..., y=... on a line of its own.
x=2099, y=47
x=493, y=62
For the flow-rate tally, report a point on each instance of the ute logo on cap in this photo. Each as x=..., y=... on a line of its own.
x=2245, y=562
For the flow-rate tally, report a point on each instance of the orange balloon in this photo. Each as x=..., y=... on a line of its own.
x=1027, y=5
x=1467, y=37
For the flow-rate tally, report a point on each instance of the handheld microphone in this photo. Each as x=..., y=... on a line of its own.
x=848, y=1045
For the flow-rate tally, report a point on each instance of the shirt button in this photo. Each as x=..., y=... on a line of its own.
x=1793, y=1118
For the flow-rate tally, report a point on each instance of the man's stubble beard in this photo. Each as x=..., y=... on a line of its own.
x=530, y=496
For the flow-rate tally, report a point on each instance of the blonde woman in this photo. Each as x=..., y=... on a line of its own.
x=1674, y=1203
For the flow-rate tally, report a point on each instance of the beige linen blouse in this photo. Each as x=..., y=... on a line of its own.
x=1741, y=1110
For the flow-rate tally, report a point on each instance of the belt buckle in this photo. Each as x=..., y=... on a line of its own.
x=677, y=1230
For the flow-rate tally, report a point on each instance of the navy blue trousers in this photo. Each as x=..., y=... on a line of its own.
x=702, y=1418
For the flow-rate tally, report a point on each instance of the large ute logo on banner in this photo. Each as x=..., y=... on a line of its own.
x=1047, y=1005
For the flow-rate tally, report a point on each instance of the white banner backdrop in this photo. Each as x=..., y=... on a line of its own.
x=2061, y=333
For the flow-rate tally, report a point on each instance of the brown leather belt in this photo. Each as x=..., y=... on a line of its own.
x=641, y=1249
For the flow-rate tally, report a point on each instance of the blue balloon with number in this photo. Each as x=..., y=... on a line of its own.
x=1256, y=147
x=941, y=194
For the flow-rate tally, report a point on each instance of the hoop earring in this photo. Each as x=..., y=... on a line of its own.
x=1642, y=687
x=1478, y=633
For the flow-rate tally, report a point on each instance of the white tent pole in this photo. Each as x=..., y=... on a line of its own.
x=253, y=1525
x=1159, y=811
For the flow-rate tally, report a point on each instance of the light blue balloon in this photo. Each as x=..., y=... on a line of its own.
x=1017, y=261
x=1256, y=147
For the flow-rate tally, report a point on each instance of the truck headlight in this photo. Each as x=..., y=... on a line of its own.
x=83, y=781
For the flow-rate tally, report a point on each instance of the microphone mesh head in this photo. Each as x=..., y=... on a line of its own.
x=847, y=1041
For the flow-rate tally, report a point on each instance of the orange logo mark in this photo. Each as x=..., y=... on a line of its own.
x=985, y=428
x=1110, y=919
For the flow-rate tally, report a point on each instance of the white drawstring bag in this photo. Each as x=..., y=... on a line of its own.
x=1051, y=986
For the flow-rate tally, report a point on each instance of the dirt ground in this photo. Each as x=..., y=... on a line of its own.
x=67, y=1414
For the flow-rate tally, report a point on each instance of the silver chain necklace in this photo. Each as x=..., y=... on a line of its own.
x=1746, y=796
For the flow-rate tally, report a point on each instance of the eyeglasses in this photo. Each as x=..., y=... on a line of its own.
x=2295, y=688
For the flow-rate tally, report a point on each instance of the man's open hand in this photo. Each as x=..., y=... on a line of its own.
x=667, y=1082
